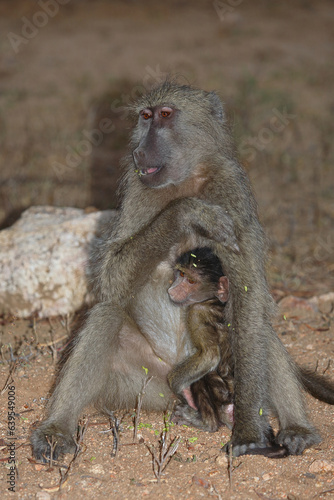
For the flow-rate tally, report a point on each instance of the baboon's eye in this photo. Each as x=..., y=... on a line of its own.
x=192, y=282
x=146, y=114
x=165, y=112
x=182, y=274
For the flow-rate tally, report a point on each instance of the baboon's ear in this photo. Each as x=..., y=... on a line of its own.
x=217, y=107
x=223, y=289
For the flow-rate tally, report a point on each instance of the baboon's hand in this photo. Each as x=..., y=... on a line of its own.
x=184, y=415
x=49, y=440
x=296, y=439
x=211, y=221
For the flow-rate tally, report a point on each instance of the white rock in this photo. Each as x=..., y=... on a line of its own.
x=44, y=260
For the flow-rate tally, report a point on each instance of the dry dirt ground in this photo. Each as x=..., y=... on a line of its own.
x=272, y=63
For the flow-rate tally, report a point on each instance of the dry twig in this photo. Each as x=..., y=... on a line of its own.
x=115, y=428
x=9, y=379
x=82, y=427
x=230, y=465
x=162, y=457
x=139, y=405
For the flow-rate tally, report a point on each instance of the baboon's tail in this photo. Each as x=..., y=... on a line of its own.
x=317, y=385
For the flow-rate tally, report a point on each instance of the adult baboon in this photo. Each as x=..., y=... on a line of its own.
x=183, y=189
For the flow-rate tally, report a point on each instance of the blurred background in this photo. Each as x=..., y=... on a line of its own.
x=68, y=68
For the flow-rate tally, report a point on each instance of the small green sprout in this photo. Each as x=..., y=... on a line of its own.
x=193, y=439
x=145, y=369
x=142, y=425
x=260, y=412
x=246, y=288
x=161, y=395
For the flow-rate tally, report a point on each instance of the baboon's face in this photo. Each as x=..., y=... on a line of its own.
x=168, y=148
x=178, y=130
x=155, y=155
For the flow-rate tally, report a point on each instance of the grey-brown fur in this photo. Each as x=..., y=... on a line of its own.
x=200, y=196
x=204, y=380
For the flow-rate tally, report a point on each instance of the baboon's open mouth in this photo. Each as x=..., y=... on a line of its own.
x=150, y=170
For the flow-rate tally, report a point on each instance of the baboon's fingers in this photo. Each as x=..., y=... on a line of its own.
x=297, y=439
x=48, y=440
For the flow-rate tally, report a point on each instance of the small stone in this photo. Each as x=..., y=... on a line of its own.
x=222, y=459
x=39, y=467
x=325, y=302
x=266, y=477
x=326, y=306
x=43, y=495
x=97, y=469
x=322, y=466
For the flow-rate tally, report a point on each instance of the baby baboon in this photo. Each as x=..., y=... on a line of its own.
x=201, y=285
x=183, y=188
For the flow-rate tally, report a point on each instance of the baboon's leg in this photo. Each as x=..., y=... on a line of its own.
x=296, y=433
x=81, y=379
